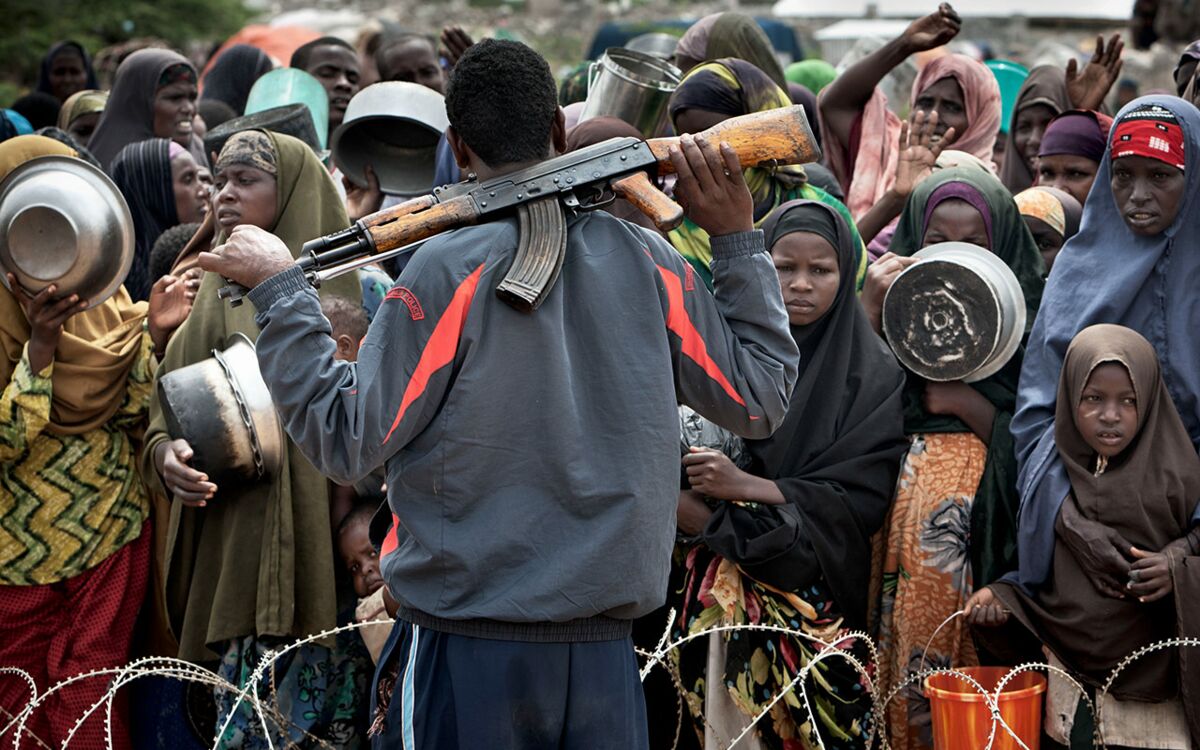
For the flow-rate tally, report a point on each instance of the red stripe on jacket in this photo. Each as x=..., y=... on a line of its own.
x=693, y=346
x=439, y=351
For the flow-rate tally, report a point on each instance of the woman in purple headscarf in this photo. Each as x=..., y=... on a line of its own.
x=1071, y=149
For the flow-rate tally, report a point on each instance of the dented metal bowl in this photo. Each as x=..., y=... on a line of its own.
x=64, y=222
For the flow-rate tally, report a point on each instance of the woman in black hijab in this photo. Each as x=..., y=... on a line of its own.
x=66, y=69
x=153, y=96
x=785, y=523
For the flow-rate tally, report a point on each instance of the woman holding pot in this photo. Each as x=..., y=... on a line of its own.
x=237, y=584
x=74, y=529
x=953, y=525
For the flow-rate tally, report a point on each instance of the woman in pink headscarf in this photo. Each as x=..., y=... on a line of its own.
x=861, y=135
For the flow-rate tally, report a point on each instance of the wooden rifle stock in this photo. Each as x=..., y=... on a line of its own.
x=762, y=139
x=624, y=166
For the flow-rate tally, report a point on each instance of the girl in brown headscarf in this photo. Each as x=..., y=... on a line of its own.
x=1126, y=562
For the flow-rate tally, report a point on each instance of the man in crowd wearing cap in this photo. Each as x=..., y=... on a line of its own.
x=532, y=458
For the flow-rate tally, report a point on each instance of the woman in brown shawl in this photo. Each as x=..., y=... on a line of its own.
x=153, y=96
x=251, y=567
x=74, y=529
x=1135, y=481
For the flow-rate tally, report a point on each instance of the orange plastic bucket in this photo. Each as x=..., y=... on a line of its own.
x=962, y=720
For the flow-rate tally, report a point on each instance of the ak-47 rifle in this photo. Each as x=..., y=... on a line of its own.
x=582, y=180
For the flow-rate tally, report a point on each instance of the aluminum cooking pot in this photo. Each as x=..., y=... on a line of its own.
x=959, y=314
x=633, y=87
x=395, y=127
x=64, y=222
x=221, y=406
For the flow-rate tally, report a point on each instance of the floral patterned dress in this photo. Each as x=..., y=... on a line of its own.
x=758, y=665
x=926, y=575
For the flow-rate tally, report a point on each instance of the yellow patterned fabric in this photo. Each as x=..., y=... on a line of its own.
x=68, y=502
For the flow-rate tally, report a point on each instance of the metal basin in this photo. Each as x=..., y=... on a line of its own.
x=394, y=127
x=221, y=406
x=633, y=87
x=959, y=314
x=64, y=222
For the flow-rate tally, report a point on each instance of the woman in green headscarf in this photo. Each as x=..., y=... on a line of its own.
x=814, y=75
x=714, y=92
x=251, y=567
x=952, y=527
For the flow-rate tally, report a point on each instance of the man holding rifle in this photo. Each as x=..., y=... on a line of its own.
x=532, y=458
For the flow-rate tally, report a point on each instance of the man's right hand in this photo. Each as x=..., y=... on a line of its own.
x=187, y=485
x=933, y=30
x=711, y=187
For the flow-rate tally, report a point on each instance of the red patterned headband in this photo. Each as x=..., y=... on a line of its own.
x=1154, y=138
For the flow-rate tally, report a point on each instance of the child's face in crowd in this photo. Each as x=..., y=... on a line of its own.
x=1048, y=240
x=955, y=220
x=1148, y=193
x=808, y=275
x=1107, y=413
x=360, y=559
x=245, y=195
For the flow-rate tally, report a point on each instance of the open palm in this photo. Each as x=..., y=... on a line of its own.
x=1087, y=88
x=919, y=150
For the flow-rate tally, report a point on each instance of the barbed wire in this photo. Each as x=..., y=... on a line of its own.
x=267, y=711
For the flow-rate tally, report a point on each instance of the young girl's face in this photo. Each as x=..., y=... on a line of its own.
x=1107, y=413
x=955, y=220
x=808, y=275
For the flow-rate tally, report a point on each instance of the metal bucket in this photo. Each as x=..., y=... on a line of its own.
x=959, y=314
x=221, y=406
x=633, y=87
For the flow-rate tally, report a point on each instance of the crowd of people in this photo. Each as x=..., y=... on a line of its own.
x=708, y=420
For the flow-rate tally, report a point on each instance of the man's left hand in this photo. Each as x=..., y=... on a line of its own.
x=249, y=257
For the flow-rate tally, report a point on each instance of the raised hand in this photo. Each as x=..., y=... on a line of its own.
x=711, y=187
x=1087, y=88
x=919, y=150
x=933, y=30
x=455, y=42
x=171, y=300
x=46, y=314
x=363, y=201
x=880, y=276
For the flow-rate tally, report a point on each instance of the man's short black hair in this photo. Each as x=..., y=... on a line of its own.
x=167, y=247
x=502, y=101
x=345, y=317
x=304, y=52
